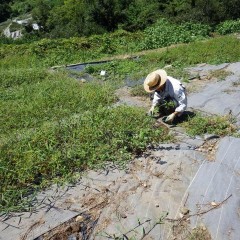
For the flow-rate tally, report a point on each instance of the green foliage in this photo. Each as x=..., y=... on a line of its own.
x=199, y=125
x=219, y=74
x=199, y=233
x=53, y=126
x=33, y=97
x=214, y=51
x=139, y=91
x=71, y=18
x=230, y=26
x=140, y=14
x=61, y=148
x=5, y=10
x=163, y=33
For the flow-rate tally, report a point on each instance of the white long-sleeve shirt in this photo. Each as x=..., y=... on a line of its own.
x=176, y=91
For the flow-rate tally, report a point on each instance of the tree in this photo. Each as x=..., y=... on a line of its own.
x=140, y=14
x=5, y=10
x=108, y=14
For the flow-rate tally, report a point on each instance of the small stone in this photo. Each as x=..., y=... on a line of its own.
x=184, y=210
x=79, y=219
x=83, y=80
x=213, y=204
x=124, y=180
x=156, y=205
x=123, y=215
x=145, y=185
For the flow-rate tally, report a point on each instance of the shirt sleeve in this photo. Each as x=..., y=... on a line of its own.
x=181, y=98
x=156, y=99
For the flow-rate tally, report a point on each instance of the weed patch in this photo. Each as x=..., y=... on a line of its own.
x=58, y=150
x=139, y=91
x=220, y=75
x=220, y=125
x=53, y=126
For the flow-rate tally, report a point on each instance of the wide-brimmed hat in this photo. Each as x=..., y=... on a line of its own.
x=154, y=80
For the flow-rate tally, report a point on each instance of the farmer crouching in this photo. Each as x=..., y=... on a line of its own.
x=169, y=95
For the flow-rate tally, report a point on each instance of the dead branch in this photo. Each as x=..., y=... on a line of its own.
x=199, y=213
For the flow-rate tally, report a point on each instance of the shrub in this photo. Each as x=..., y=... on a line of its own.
x=199, y=125
x=164, y=33
x=229, y=26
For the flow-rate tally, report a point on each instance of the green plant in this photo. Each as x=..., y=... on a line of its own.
x=219, y=74
x=229, y=26
x=139, y=91
x=164, y=33
x=54, y=150
x=199, y=233
x=53, y=126
x=220, y=125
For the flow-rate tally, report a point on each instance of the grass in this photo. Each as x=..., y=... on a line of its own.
x=60, y=149
x=219, y=125
x=199, y=233
x=53, y=126
x=139, y=91
x=236, y=83
x=220, y=75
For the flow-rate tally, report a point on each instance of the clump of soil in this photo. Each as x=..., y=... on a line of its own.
x=78, y=228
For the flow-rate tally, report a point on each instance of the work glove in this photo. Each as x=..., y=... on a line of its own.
x=151, y=111
x=170, y=118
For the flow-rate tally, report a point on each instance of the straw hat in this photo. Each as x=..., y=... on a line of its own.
x=154, y=80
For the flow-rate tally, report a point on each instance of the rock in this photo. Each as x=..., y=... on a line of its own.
x=83, y=80
x=214, y=204
x=123, y=215
x=79, y=218
x=184, y=210
x=157, y=205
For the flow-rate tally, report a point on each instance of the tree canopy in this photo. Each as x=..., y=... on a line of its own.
x=66, y=18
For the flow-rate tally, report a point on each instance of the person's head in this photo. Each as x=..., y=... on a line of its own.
x=155, y=81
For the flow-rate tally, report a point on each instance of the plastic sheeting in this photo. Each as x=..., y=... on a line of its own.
x=214, y=183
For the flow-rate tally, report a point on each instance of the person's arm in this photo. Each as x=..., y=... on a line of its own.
x=182, y=101
x=155, y=101
x=181, y=98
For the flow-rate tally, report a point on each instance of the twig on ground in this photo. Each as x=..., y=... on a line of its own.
x=199, y=213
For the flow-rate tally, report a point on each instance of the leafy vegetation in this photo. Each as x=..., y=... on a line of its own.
x=164, y=33
x=219, y=125
x=60, y=149
x=74, y=18
x=139, y=91
x=219, y=74
x=54, y=126
x=229, y=26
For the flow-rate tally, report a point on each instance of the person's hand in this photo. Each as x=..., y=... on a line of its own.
x=170, y=118
x=151, y=111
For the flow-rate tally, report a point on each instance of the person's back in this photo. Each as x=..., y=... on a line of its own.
x=166, y=90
